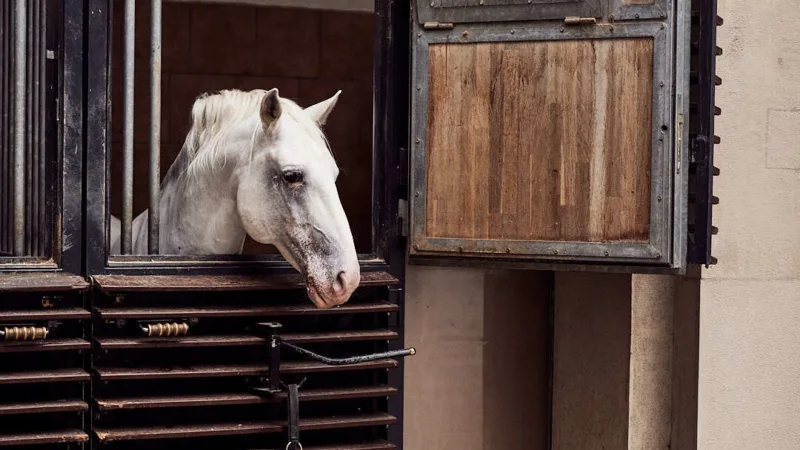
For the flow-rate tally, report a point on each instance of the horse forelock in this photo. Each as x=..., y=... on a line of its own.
x=213, y=115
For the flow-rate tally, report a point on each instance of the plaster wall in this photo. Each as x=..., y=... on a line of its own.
x=750, y=312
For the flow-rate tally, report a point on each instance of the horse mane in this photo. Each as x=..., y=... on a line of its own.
x=214, y=114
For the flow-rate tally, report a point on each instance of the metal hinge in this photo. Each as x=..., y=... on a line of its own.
x=402, y=216
x=437, y=26
x=572, y=20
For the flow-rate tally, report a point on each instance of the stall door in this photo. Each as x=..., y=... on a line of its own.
x=557, y=140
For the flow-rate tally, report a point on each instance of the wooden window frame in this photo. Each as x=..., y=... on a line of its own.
x=666, y=251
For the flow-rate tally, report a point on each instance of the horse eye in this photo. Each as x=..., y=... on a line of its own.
x=293, y=176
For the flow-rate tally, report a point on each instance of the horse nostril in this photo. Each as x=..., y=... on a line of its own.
x=339, y=284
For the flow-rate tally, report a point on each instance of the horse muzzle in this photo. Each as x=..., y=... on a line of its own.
x=335, y=291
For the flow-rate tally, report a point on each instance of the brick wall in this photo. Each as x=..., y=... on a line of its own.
x=307, y=54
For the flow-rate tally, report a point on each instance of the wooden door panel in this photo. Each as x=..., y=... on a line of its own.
x=540, y=140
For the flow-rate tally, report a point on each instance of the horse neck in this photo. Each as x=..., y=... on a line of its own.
x=198, y=213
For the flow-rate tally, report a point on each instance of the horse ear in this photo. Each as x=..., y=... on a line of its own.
x=270, y=108
x=322, y=110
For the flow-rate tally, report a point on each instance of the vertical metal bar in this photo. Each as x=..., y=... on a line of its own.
x=155, y=126
x=8, y=187
x=127, y=159
x=42, y=181
x=34, y=182
x=20, y=45
x=28, y=126
x=4, y=63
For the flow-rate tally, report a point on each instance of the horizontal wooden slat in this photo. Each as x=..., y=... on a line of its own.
x=162, y=283
x=340, y=394
x=45, y=346
x=111, y=343
x=44, y=376
x=184, y=401
x=50, y=437
x=41, y=282
x=242, y=311
x=44, y=314
x=378, y=445
x=310, y=366
x=145, y=373
x=227, y=429
x=42, y=407
x=339, y=336
x=241, y=340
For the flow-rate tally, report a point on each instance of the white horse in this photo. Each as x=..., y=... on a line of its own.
x=256, y=164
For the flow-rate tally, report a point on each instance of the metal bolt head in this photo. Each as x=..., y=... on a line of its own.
x=512, y=31
x=636, y=16
x=416, y=193
x=419, y=88
x=555, y=252
x=661, y=83
x=461, y=249
x=659, y=198
x=561, y=29
x=415, y=247
x=418, y=141
x=605, y=253
x=508, y=250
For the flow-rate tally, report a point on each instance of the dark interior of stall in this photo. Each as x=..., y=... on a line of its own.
x=307, y=54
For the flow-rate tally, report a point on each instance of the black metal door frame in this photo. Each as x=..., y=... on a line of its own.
x=89, y=23
x=64, y=129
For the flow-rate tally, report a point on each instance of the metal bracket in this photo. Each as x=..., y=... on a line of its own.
x=437, y=26
x=572, y=20
x=275, y=343
x=293, y=411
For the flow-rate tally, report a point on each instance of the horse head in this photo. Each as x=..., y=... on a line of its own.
x=287, y=197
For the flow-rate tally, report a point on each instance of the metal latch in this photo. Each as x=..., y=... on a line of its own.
x=572, y=20
x=437, y=26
